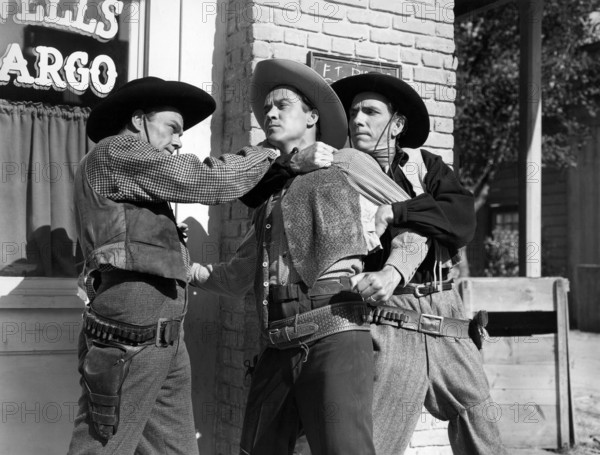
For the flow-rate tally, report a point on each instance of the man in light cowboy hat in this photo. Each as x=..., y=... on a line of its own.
x=437, y=364
x=306, y=244
x=134, y=364
x=418, y=364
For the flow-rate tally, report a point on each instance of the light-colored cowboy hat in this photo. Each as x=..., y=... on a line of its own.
x=272, y=73
x=402, y=96
x=110, y=115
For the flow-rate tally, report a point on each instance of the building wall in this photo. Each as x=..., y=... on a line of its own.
x=555, y=220
x=417, y=35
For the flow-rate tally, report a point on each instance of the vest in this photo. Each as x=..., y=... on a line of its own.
x=139, y=237
x=321, y=216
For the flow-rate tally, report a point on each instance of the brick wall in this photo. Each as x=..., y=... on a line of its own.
x=417, y=35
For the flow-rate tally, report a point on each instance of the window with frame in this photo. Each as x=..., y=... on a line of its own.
x=60, y=59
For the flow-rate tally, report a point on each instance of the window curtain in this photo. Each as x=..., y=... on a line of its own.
x=41, y=146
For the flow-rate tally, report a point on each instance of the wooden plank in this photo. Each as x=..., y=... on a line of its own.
x=560, y=296
x=533, y=350
x=538, y=396
x=509, y=294
x=521, y=376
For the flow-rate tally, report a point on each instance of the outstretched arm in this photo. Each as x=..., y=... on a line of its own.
x=233, y=278
x=129, y=170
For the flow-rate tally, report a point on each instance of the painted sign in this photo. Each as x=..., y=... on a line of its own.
x=49, y=57
x=55, y=14
x=333, y=67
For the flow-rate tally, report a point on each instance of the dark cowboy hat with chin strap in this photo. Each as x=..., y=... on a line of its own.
x=112, y=114
x=402, y=96
x=272, y=73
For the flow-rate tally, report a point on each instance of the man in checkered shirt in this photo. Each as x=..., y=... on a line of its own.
x=134, y=364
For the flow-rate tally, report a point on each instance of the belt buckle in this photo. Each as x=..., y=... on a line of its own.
x=417, y=291
x=433, y=326
x=270, y=334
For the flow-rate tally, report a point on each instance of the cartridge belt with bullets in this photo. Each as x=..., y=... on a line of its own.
x=163, y=333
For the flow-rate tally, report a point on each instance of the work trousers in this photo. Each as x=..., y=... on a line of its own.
x=325, y=392
x=443, y=373
x=155, y=410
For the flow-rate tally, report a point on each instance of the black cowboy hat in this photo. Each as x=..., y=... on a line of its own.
x=110, y=115
x=275, y=72
x=402, y=96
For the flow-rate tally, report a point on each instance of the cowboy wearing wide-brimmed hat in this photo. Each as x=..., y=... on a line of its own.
x=133, y=360
x=306, y=244
x=388, y=120
x=436, y=366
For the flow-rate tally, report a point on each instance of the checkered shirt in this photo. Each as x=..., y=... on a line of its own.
x=125, y=169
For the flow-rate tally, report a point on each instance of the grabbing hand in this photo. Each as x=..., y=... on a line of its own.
x=376, y=287
x=199, y=273
x=183, y=229
x=313, y=157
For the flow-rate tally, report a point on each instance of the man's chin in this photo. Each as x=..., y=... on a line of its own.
x=361, y=145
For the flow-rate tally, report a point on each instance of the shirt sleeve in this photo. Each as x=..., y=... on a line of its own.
x=365, y=175
x=235, y=277
x=138, y=172
x=408, y=249
x=446, y=212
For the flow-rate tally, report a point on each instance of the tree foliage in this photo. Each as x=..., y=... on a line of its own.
x=487, y=119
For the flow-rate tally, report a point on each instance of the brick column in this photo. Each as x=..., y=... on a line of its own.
x=417, y=35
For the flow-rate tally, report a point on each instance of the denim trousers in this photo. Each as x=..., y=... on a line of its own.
x=156, y=410
x=444, y=374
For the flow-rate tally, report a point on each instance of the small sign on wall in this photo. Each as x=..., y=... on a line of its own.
x=334, y=67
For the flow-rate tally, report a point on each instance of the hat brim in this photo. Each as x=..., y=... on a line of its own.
x=272, y=73
x=112, y=114
x=401, y=95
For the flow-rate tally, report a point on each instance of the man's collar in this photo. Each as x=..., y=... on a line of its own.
x=400, y=159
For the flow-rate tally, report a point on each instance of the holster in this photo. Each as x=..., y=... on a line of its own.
x=105, y=367
x=477, y=330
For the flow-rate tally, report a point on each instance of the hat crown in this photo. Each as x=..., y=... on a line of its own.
x=112, y=114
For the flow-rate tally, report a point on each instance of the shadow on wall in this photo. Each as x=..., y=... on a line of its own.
x=202, y=326
x=46, y=253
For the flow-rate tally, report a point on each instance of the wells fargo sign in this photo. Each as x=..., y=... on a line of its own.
x=76, y=71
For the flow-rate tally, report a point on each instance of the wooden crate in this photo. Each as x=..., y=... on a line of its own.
x=527, y=357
